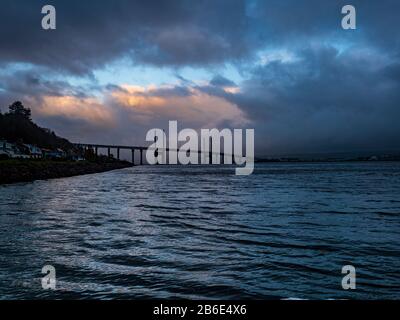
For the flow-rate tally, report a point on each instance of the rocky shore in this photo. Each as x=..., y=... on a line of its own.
x=12, y=171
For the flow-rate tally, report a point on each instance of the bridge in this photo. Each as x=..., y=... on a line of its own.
x=96, y=148
x=107, y=147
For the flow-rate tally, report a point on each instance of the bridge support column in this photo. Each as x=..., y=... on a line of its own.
x=141, y=156
x=109, y=152
x=118, y=153
x=210, y=151
x=133, y=156
x=96, y=151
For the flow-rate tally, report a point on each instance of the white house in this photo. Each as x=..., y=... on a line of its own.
x=34, y=151
x=6, y=148
x=4, y=145
x=11, y=150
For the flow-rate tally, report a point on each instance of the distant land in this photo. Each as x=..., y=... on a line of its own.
x=377, y=155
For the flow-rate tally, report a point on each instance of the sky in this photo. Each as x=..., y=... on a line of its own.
x=112, y=70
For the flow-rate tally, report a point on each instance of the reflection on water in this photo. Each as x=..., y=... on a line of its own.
x=202, y=232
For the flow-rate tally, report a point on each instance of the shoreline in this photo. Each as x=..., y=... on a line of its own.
x=14, y=171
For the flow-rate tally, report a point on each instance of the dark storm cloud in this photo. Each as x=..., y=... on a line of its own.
x=178, y=32
x=325, y=101
x=90, y=34
x=293, y=22
x=33, y=83
x=220, y=81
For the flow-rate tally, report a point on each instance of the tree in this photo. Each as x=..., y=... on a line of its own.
x=18, y=108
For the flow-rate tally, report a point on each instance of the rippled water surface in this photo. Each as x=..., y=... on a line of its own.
x=202, y=232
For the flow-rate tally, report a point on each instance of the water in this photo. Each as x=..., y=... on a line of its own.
x=202, y=232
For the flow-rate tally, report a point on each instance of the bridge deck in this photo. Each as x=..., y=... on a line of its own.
x=140, y=148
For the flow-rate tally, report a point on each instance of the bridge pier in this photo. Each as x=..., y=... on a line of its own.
x=141, y=156
x=133, y=156
x=118, y=153
x=109, y=152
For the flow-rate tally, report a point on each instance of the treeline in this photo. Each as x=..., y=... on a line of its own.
x=17, y=126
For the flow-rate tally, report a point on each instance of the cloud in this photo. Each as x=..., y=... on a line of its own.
x=180, y=33
x=220, y=81
x=324, y=101
x=91, y=34
x=89, y=109
x=51, y=97
x=195, y=109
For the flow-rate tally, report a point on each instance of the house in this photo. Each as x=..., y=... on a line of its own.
x=6, y=146
x=48, y=154
x=74, y=156
x=61, y=153
x=54, y=154
x=8, y=149
x=34, y=151
x=4, y=149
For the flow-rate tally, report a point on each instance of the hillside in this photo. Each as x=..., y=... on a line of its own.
x=17, y=126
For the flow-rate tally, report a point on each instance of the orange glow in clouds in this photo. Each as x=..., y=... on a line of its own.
x=142, y=105
x=89, y=109
x=196, y=107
